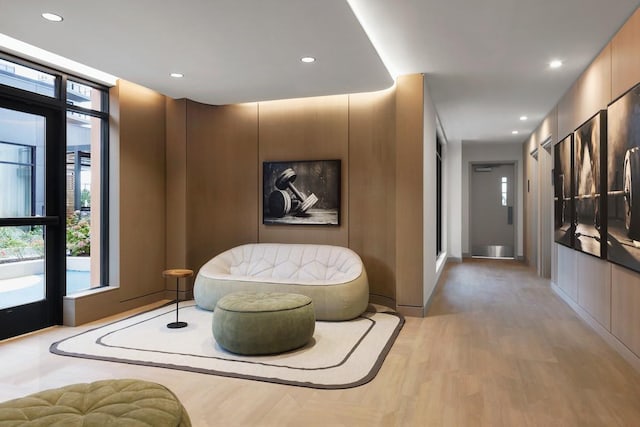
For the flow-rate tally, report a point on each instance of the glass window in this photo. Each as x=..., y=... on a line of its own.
x=85, y=96
x=86, y=129
x=22, y=145
x=25, y=78
x=23, y=245
x=84, y=147
x=504, y=190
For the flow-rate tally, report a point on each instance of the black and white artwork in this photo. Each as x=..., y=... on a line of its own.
x=590, y=228
x=623, y=180
x=303, y=192
x=563, y=191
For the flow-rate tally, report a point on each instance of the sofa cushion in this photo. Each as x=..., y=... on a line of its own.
x=286, y=263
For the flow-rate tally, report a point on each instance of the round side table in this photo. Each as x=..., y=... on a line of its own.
x=177, y=273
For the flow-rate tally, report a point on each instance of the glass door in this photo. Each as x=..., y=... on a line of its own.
x=31, y=242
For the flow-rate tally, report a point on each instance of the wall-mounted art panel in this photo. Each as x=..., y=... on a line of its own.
x=301, y=192
x=623, y=180
x=563, y=191
x=590, y=222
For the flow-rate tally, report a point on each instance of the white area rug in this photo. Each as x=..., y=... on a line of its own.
x=340, y=355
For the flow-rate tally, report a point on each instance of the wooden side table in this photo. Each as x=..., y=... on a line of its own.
x=177, y=273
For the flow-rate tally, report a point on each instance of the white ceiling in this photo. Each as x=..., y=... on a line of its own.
x=486, y=61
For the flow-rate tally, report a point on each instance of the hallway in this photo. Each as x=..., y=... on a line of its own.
x=498, y=348
x=511, y=352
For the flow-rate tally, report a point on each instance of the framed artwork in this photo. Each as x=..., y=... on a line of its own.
x=589, y=142
x=563, y=191
x=623, y=179
x=305, y=192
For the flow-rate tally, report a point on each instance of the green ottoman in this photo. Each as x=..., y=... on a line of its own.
x=122, y=402
x=253, y=323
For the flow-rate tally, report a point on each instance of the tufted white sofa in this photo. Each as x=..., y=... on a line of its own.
x=332, y=276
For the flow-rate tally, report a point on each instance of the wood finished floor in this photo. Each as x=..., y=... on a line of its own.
x=498, y=348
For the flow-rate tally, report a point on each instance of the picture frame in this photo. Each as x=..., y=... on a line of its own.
x=302, y=192
x=589, y=201
x=564, y=225
x=623, y=179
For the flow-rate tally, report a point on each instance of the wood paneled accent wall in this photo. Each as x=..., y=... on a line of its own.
x=222, y=177
x=141, y=125
x=372, y=188
x=176, y=182
x=305, y=129
x=226, y=145
x=409, y=182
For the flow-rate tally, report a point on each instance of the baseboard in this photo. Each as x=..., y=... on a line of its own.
x=100, y=303
x=410, y=310
x=610, y=339
x=382, y=300
x=182, y=295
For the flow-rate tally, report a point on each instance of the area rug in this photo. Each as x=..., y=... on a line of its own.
x=340, y=354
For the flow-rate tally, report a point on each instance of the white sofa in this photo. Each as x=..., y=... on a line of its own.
x=332, y=276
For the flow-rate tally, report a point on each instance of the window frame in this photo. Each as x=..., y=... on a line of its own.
x=59, y=102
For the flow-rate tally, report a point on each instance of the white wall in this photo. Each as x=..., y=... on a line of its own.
x=482, y=152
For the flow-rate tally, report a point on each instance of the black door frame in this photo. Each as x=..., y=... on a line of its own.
x=40, y=314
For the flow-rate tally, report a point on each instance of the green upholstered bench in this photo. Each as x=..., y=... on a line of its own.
x=254, y=323
x=121, y=402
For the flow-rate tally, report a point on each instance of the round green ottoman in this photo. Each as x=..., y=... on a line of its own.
x=253, y=323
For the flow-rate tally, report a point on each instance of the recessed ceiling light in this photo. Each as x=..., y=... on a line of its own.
x=556, y=63
x=523, y=118
x=308, y=59
x=52, y=17
x=177, y=75
x=515, y=132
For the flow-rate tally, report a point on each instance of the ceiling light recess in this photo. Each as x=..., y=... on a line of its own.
x=52, y=17
x=524, y=118
x=308, y=59
x=515, y=132
x=556, y=63
x=177, y=75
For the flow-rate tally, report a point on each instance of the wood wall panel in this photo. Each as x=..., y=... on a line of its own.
x=625, y=61
x=176, y=183
x=594, y=288
x=222, y=197
x=594, y=87
x=141, y=127
x=409, y=191
x=567, y=116
x=568, y=271
x=305, y=129
x=625, y=300
x=372, y=187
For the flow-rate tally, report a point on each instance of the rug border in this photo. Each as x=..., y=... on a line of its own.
x=375, y=368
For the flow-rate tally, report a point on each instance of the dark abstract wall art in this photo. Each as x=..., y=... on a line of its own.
x=303, y=192
x=623, y=180
x=563, y=191
x=589, y=202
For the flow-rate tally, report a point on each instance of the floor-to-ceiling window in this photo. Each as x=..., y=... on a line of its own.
x=53, y=222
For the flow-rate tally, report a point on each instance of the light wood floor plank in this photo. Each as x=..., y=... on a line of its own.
x=498, y=348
